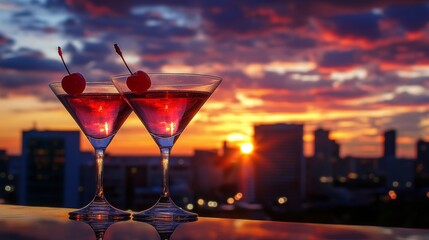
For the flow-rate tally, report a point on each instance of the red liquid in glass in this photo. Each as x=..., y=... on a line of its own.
x=99, y=115
x=166, y=113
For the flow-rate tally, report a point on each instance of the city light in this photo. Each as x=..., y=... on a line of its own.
x=212, y=204
x=230, y=200
x=238, y=196
x=190, y=206
x=342, y=179
x=282, y=200
x=392, y=195
x=9, y=188
x=352, y=175
x=325, y=179
x=200, y=202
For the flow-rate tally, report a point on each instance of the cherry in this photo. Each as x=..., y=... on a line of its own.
x=138, y=82
x=74, y=83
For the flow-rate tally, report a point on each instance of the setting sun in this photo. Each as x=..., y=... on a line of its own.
x=246, y=148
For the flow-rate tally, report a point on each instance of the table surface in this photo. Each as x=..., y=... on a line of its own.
x=23, y=222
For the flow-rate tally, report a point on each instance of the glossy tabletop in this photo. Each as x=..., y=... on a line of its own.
x=22, y=222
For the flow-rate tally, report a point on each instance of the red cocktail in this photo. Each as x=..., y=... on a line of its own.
x=165, y=109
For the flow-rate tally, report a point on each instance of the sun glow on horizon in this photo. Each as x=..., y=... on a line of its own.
x=246, y=148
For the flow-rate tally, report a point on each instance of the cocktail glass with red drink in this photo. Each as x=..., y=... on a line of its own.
x=100, y=111
x=165, y=109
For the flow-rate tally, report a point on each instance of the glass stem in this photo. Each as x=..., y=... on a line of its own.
x=99, y=157
x=165, y=154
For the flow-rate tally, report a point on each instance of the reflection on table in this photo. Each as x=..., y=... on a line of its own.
x=22, y=222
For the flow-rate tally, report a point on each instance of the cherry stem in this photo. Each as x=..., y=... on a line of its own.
x=119, y=52
x=62, y=59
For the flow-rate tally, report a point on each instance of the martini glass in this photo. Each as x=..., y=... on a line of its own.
x=99, y=111
x=165, y=110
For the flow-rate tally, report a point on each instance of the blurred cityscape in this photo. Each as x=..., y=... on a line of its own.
x=274, y=181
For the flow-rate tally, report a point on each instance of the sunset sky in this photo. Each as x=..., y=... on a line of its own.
x=356, y=68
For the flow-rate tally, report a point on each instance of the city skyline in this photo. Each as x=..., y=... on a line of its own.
x=210, y=182
x=243, y=146
x=356, y=69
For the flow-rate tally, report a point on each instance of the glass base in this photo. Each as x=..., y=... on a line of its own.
x=164, y=228
x=165, y=210
x=99, y=227
x=99, y=209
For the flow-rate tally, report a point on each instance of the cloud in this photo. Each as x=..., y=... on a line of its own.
x=245, y=19
x=5, y=43
x=91, y=51
x=341, y=93
x=407, y=123
x=71, y=27
x=339, y=59
x=164, y=48
x=412, y=17
x=357, y=25
x=407, y=99
x=25, y=59
x=401, y=52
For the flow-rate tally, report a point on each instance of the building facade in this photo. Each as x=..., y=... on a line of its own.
x=320, y=168
x=279, y=164
x=49, y=171
x=389, y=144
x=422, y=160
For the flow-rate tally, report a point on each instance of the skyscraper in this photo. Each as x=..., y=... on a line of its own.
x=422, y=161
x=3, y=175
x=49, y=174
x=229, y=163
x=279, y=163
x=321, y=166
x=397, y=173
x=390, y=143
x=389, y=153
x=207, y=173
